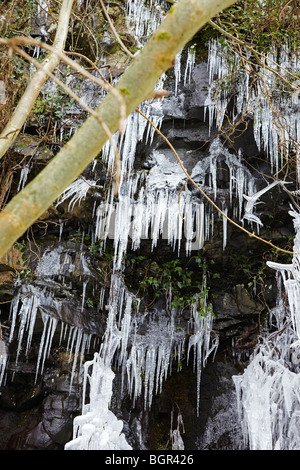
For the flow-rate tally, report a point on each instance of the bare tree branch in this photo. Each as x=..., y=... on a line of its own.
x=26, y=103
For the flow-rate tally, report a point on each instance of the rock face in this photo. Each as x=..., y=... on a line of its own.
x=68, y=273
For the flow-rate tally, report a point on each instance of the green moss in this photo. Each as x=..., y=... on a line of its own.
x=200, y=41
x=163, y=36
x=124, y=91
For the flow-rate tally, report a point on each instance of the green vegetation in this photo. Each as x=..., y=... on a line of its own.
x=263, y=25
x=17, y=17
x=23, y=271
x=52, y=105
x=179, y=284
x=124, y=91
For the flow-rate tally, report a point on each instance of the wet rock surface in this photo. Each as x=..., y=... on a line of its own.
x=37, y=416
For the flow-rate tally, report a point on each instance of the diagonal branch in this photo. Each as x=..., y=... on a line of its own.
x=182, y=22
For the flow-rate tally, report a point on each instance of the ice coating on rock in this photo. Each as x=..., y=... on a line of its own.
x=268, y=391
x=268, y=396
x=97, y=428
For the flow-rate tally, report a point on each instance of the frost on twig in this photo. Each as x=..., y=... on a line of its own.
x=253, y=200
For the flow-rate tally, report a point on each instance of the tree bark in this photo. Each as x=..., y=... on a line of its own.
x=184, y=19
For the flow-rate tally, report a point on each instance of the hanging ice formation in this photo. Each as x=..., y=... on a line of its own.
x=268, y=391
x=76, y=192
x=3, y=357
x=201, y=340
x=275, y=113
x=145, y=360
x=253, y=200
x=31, y=301
x=97, y=428
x=39, y=299
x=175, y=434
x=149, y=204
x=147, y=207
x=142, y=19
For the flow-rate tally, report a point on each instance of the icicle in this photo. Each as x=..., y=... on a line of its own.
x=175, y=434
x=84, y=285
x=3, y=358
x=201, y=337
x=14, y=308
x=79, y=335
x=190, y=62
x=50, y=324
x=225, y=210
x=177, y=70
x=61, y=227
x=252, y=201
x=27, y=316
x=77, y=191
x=125, y=329
x=23, y=177
x=101, y=300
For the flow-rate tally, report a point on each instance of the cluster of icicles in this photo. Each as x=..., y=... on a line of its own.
x=145, y=361
x=149, y=204
x=275, y=112
x=269, y=390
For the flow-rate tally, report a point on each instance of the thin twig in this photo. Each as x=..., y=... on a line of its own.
x=125, y=49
